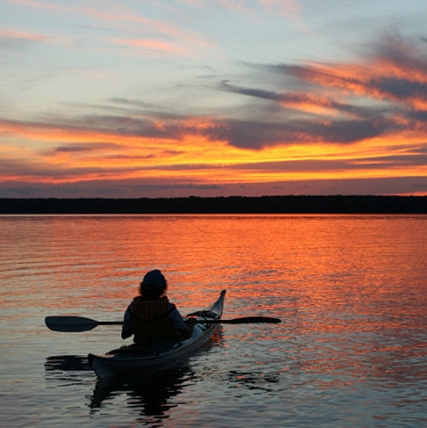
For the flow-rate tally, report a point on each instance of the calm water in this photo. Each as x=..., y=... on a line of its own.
x=351, y=292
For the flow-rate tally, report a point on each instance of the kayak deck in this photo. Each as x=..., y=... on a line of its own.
x=125, y=361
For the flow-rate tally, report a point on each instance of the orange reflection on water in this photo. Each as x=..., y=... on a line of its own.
x=350, y=290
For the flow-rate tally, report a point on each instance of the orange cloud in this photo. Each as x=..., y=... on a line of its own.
x=152, y=46
x=11, y=34
x=123, y=18
x=93, y=155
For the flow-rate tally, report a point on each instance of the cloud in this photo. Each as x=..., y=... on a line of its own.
x=17, y=40
x=88, y=147
x=164, y=188
x=401, y=88
x=120, y=29
x=384, y=92
x=20, y=35
x=339, y=103
x=152, y=46
x=285, y=120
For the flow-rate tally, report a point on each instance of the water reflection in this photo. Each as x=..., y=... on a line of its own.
x=67, y=363
x=68, y=370
x=253, y=380
x=152, y=394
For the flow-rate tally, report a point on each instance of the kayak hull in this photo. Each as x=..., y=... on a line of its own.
x=107, y=365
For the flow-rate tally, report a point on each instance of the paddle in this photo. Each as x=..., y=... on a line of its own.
x=77, y=324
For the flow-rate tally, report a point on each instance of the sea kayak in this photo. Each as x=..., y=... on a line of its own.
x=129, y=360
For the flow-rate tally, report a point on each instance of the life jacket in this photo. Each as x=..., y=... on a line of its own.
x=150, y=320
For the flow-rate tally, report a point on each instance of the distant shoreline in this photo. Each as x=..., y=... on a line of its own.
x=291, y=204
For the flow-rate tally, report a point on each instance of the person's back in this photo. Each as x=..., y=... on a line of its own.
x=151, y=318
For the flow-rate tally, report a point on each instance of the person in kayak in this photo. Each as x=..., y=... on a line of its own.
x=152, y=319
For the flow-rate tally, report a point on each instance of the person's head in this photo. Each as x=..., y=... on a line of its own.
x=153, y=285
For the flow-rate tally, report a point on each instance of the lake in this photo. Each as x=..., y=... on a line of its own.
x=351, y=292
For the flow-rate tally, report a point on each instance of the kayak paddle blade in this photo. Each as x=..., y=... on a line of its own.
x=70, y=323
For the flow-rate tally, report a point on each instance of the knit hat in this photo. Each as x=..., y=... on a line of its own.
x=154, y=281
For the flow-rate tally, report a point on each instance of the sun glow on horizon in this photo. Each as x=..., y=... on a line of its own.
x=73, y=156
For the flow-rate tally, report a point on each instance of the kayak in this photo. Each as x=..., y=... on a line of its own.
x=130, y=360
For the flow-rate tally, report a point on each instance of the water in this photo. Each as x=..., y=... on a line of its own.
x=351, y=292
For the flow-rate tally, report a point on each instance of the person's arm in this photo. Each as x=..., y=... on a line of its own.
x=126, y=327
x=178, y=323
x=189, y=326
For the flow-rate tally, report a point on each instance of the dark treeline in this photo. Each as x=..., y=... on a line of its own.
x=220, y=205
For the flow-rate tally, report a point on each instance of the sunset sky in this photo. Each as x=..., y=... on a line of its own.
x=156, y=98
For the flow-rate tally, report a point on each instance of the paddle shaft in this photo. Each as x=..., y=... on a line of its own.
x=243, y=320
x=78, y=324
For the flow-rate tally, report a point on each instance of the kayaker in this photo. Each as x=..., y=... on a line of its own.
x=152, y=319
